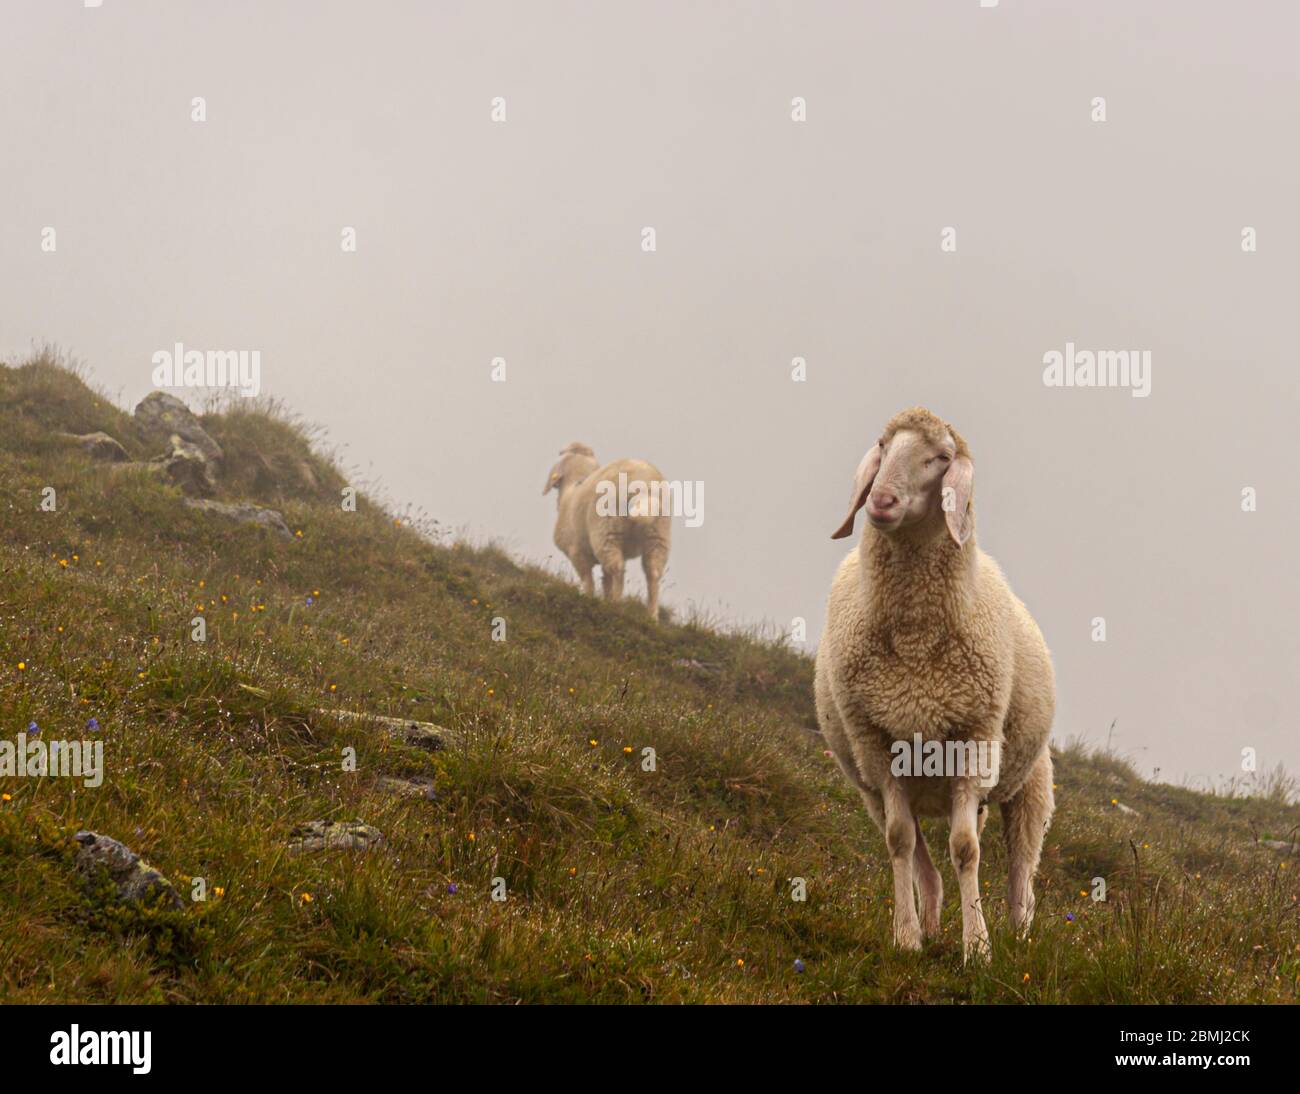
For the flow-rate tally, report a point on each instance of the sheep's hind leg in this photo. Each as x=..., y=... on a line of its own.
x=900, y=839
x=964, y=846
x=929, y=886
x=611, y=579
x=1025, y=819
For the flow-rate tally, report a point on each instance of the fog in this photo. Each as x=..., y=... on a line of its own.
x=820, y=239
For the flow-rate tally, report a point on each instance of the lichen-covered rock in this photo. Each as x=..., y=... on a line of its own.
x=188, y=468
x=134, y=879
x=424, y=735
x=409, y=788
x=159, y=415
x=98, y=446
x=245, y=513
x=319, y=835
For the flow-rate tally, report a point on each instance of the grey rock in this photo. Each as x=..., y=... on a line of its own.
x=1127, y=809
x=98, y=446
x=409, y=788
x=244, y=512
x=319, y=835
x=188, y=468
x=711, y=668
x=159, y=415
x=1281, y=845
x=424, y=735
x=133, y=878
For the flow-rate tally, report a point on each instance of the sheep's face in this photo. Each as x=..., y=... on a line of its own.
x=918, y=470
x=908, y=486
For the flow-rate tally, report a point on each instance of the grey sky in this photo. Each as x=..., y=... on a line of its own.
x=775, y=239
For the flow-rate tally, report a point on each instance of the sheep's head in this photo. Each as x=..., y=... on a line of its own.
x=577, y=461
x=920, y=467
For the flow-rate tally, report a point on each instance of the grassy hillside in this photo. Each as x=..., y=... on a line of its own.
x=622, y=885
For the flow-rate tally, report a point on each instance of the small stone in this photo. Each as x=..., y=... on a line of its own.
x=319, y=835
x=244, y=513
x=409, y=788
x=710, y=668
x=98, y=446
x=133, y=878
x=424, y=735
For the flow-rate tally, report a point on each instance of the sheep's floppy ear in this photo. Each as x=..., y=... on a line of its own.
x=862, y=480
x=957, y=484
x=552, y=477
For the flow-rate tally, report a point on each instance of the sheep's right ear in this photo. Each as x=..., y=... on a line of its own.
x=862, y=480
x=552, y=478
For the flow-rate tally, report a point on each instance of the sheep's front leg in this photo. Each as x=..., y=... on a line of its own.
x=964, y=846
x=900, y=839
x=588, y=584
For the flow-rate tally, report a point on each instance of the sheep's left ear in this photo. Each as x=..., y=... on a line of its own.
x=958, y=482
x=553, y=477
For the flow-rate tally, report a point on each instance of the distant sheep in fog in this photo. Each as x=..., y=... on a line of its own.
x=591, y=534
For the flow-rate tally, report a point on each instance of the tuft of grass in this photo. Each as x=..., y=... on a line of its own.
x=641, y=796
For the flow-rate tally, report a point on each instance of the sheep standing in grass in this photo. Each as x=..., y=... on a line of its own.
x=591, y=531
x=925, y=642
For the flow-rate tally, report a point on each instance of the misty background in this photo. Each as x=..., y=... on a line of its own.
x=776, y=239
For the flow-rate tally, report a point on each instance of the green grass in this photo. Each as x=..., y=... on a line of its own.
x=623, y=885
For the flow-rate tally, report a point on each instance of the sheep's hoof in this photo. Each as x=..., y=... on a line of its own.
x=975, y=951
x=907, y=936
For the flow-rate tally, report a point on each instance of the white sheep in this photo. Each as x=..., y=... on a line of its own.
x=927, y=648
x=592, y=531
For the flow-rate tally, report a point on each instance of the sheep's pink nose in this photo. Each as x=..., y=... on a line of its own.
x=883, y=501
